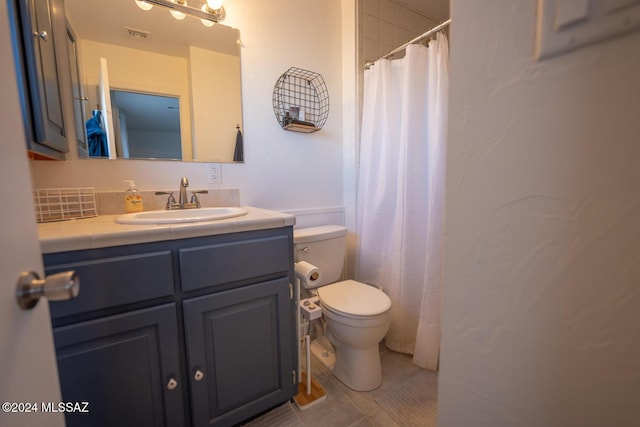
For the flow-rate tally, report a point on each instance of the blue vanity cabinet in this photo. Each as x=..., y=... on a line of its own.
x=197, y=331
x=240, y=335
x=239, y=353
x=117, y=343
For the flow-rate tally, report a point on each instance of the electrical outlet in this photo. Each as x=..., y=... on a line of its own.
x=214, y=173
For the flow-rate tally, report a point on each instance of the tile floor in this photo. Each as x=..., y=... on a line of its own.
x=348, y=408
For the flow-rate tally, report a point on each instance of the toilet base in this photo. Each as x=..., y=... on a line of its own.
x=360, y=370
x=322, y=349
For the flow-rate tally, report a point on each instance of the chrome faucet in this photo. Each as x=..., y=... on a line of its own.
x=182, y=202
x=184, y=183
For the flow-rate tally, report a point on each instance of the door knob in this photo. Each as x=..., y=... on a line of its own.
x=56, y=287
x=172, y=384
x=199, y=375
x=41, y=35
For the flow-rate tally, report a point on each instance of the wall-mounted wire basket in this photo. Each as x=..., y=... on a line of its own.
x=301, y=101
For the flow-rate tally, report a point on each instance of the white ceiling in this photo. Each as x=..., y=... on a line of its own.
x=436, y=9
x=107, y=21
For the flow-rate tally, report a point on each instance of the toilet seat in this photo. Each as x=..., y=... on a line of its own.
x=354, y=299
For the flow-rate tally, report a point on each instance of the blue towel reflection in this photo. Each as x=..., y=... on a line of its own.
x=96, y=136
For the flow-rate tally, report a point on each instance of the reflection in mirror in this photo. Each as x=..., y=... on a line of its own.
x=151, y=53
x=79, y=100
x=146, y=126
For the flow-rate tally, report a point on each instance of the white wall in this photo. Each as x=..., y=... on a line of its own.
x=150, y=143
x=283, y=170
x=542, y=280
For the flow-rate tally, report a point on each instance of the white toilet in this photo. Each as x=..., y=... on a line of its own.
x=357, y=315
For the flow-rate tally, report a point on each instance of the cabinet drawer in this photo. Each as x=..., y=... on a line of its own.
x=109, y=282
x=217, y=264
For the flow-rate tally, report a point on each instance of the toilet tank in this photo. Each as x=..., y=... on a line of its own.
x=324, y=247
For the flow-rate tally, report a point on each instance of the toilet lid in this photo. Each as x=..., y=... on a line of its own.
x=354, y=298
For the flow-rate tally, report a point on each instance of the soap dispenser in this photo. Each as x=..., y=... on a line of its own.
x=132, y=198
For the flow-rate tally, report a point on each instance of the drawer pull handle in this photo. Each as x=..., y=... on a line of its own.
x=172, y=384
x=199, y=375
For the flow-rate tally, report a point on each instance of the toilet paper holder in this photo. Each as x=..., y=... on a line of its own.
x=306, y=272
x=310, y=308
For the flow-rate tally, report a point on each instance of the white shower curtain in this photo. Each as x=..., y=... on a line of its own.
x=400, y=216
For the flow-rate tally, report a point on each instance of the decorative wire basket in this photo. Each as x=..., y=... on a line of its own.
x=58, y=204
x=301, y=101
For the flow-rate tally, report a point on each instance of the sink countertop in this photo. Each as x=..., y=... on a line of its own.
x=102, y=231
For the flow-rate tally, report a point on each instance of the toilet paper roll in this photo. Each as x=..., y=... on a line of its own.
x=306, y=272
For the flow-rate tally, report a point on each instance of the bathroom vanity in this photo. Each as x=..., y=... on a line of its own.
x=175, y=325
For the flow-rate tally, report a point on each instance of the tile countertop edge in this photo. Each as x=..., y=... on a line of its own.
x=102, y=231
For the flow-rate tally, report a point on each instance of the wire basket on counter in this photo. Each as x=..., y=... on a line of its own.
x=59, y=204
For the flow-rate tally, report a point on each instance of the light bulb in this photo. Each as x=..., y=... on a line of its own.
x=206, y=22
x=143, y=5
x=176, y=14
x=214, y=4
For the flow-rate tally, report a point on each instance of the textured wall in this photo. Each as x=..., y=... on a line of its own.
x=542, y=279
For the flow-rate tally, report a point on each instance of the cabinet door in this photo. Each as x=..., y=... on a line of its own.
x=122, y=366
x=240, y=352
x=50, y=131
x=40, y=46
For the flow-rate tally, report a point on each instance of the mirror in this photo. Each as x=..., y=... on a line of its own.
x=177, y=68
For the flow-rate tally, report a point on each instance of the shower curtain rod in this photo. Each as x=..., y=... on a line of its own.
x=420, y=37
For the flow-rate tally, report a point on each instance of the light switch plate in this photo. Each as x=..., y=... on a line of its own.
x=566, y=25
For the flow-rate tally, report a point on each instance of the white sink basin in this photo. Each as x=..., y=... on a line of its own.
x=179, y=216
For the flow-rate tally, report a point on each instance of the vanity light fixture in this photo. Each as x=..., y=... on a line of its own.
x=214, y=4
x=143, y=5
x=176, y=14
x=210, y=13
x=206, y=22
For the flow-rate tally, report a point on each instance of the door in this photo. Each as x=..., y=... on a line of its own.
x=27, y=358
x=125, y=366
x=50, y=102
x=104, y=90
x=239, y=351
x=77, y=89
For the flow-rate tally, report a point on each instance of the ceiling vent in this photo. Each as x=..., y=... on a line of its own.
x=137, y=34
